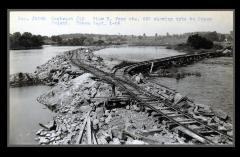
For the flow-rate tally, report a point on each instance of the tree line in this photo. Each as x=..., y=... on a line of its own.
x=79, y=41
x=25, y=40
x=28, y=40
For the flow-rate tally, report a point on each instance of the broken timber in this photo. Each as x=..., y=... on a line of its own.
x=82, y=128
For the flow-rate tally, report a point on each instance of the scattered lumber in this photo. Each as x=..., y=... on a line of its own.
x=139, y=137
x=191, y=134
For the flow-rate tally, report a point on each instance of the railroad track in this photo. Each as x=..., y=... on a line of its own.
x=163, y=107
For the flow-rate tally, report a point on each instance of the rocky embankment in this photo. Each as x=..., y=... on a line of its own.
x=87, y=113
x=57, y=69
x=83, y=99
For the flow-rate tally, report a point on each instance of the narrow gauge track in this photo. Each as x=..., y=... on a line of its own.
x=150, y=101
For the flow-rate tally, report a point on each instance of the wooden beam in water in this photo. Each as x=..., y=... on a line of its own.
x=151, y=67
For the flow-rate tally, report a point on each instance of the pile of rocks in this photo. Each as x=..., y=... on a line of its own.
x=23, y=79
x=58, y=69
x=71, y=100
x=138, y=78
x=214, y=118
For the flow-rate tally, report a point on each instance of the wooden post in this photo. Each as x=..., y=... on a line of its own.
x=94, y=139
x=151, y=67
x=113, y=90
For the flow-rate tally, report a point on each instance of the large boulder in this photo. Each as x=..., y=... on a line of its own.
x=139, y=78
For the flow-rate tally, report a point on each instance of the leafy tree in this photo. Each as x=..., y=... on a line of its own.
x=14, y=39
x=140, y=37
x=56, y=38
x=156, y=36
x=198, y=42
x=221, y=37
x=99, y=42
x=213, y=36
x=25, y=40
x=88, y=41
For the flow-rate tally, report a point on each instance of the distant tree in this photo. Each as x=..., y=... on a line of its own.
x=37, y=40
x=213, y=36
x=140, y=37
x=88, y=41
x=25, y=40
x=221, y=37
x=168, y=34
x=81, y=40
x=99, y=42
x=57, y=39
x=14, y=39
x=156, y=36
x=229, y=38
x=196, y=41
x=144, y=35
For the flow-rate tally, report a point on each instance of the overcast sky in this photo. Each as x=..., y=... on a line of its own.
x=120, y=22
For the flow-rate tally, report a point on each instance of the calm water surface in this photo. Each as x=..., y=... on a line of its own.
x=137, y=53
x=28, y=60
x=25, y=113
x=214, y=87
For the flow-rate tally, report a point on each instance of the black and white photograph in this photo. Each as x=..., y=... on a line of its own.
x=121, y=78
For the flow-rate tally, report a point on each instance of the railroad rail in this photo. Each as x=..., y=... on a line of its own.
x=163, y=107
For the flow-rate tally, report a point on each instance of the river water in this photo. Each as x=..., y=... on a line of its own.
x=137, y=53
x=28, y=60
x=25, y=113
x=214, y=87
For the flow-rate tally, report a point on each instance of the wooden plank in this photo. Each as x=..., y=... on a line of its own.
x=94, y=139
x=188, y=122
x=140, y=137
x=152, y=130
x=82, y=129
x=175, y=115
x=208, y=132
x=191, y=134
x=89, y=134
x=151, y=67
